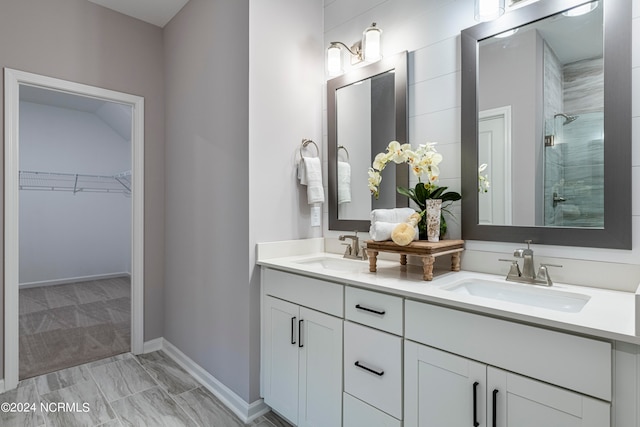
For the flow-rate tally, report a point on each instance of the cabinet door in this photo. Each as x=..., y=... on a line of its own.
x=320, y=369
x=280, y=360
x=442, y=389
x=524, y=402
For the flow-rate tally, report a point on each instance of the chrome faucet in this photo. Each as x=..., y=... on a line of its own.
x=353, y=249
x=528, y=274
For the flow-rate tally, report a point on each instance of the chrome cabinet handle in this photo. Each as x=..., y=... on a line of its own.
x=373, y=371
x=370, y=310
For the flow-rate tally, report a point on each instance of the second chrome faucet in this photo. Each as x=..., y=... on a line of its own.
x=353, y=249
x=528, y=274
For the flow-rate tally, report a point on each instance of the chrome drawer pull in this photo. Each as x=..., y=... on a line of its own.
x=373, y=371
x=370, y=310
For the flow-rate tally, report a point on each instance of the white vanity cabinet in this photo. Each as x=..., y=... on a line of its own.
x=372, y=359
x=472, y=378
x=445, y=389
x=302, y=348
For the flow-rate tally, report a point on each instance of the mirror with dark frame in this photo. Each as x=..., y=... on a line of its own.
x=366, y=109
x=537, y=103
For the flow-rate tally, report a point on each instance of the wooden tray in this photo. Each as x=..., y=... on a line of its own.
x=428, y=251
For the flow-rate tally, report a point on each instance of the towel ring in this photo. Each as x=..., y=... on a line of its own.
x=305, y=143
x=342, y=147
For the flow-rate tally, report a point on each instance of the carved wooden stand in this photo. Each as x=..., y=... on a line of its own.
x=428, y=251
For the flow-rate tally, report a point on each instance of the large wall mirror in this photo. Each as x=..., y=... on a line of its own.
x=546, y=105
x=367, y=109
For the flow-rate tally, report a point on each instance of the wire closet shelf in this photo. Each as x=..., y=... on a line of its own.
x=76, y=183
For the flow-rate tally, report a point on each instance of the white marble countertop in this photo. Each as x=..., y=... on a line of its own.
x=608, y=314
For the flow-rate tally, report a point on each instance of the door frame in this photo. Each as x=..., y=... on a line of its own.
x=12, y=81
x=505, y=113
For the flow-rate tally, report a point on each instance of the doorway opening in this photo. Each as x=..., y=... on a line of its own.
x=73, y=224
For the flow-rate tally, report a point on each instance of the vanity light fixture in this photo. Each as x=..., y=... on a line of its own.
x=581, y=10
x=368, y=49
x=487, y=10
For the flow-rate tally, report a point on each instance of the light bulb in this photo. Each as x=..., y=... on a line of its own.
x=334, y=60
x=372, y=43
x=487, y=10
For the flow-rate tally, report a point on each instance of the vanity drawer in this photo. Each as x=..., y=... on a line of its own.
x=356, y=413
x=374, y=309
x=306, y=291
x=377, y=377
x=577, y=363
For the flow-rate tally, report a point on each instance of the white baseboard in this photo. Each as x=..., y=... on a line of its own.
x=72, y=280
x=153, y=345
x=247, y=412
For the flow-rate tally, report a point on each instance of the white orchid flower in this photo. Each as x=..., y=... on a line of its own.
x=380, y=161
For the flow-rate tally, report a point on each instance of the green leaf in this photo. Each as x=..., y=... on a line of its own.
x=406, y=192
x=451, y=196
x=436, y=194
x=422, y=194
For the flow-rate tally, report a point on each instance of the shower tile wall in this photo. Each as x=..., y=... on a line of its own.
x=552, y=84
x=552, y=105
x=583, y=83
x=574, y=167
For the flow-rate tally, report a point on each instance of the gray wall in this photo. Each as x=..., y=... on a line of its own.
x=79, y=41
x=207, y=291
x=503, y=65
x=233, y=131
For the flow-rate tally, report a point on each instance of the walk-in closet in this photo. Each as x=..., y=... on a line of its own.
x=74, y=229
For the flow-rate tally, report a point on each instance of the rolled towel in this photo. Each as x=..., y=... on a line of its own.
x=344, y=182
x=310, y=174
x=395, y=215
x=380, y=230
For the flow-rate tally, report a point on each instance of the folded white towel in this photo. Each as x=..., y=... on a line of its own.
x=344, y=182
x=381, y=230
x=391, y=215
x=310, y=174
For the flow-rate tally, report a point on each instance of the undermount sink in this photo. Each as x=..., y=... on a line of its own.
x=522, y=294
x=335, y=264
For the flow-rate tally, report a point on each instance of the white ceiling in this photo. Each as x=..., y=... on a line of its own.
x=156, y=12
x=116, y=116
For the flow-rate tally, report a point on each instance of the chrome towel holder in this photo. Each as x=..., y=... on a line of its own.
x=305, y=143
x=342, y=147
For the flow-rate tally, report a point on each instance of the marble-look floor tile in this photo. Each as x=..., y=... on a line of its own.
x=26, y=393
x=276, y=420
x=110, y=359
x=62, y=379
x=122, y=378
x=112, y=423
x=206, y=409
x=153, y=407
x=85, y=406
x=167, y=372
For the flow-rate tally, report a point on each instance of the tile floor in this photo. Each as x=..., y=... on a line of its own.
x=125, y=390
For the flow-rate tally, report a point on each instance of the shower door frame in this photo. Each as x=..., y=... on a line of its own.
x=12, y=81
